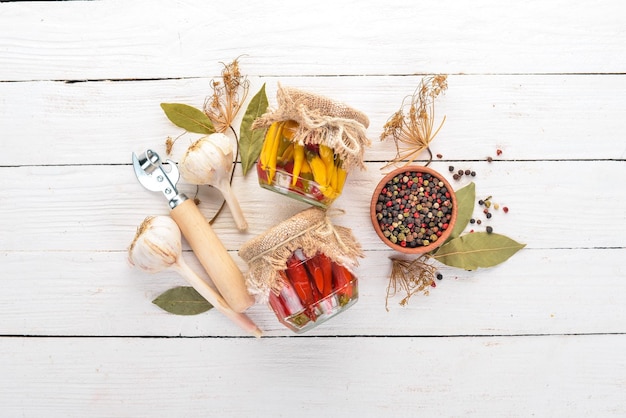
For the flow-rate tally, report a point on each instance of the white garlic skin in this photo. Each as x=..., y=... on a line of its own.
x=208, y=160
x=157, y=244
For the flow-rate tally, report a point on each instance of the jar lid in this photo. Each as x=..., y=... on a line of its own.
x=321, y=121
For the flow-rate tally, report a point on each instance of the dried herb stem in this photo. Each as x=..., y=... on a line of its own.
x=411, y=277
x=411, y=127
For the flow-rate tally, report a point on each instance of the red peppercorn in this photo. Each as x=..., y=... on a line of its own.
x=499, y=152
x=389, y=204
x=505, y=209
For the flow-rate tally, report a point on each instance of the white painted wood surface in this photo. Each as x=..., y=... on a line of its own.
x=543, y=334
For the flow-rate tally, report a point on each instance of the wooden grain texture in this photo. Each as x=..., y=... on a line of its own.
x=542, y=334
x=50, y=41
x=537, y=292
x=529, y=117
x=367, y=377
x=552, y=205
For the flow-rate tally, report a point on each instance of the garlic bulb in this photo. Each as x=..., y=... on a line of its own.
x=157, y=246
x=209, y=161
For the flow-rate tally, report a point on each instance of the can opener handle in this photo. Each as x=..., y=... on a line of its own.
x=205, y=244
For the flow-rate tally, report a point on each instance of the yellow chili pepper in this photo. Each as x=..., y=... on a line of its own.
x=333, y=177
x=328, y=156
x=271, y=162
x=319, y=171
x=298, y=160
x=270, y=138
x=288, y=154
x=341, y=179
x=289, y=129
x=305, y=171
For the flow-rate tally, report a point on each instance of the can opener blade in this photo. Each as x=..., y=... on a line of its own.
x=151, y=174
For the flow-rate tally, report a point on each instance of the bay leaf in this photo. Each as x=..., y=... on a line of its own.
x=182, y=300
x=188, y=117
x=465, y=198
x=251, y=141
x=478, y=249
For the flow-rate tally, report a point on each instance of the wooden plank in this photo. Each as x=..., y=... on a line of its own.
x=500, y=376
x=536, y=292
x=78, y=208
x=106, y=40
x=528, y=117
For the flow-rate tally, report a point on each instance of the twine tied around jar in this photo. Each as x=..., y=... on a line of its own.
x=311, y=231
x=321, y=121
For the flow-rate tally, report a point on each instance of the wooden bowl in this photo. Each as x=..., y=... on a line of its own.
x=443, y=233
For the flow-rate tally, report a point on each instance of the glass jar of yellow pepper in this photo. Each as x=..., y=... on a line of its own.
x=311, y=143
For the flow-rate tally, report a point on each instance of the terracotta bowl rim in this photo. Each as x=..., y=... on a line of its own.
x=417, y=250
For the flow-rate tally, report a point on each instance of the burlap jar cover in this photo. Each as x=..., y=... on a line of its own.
x=321, y=121
x=311, y=231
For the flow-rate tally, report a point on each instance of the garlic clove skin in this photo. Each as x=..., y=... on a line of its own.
x=157, y=244
x=209, y=161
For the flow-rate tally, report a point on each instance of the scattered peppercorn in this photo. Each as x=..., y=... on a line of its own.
x=488, y=215
x=460, y=172
x=489, y=159
x=455, y=177
x=473, y=173
x=472, y=220
x=481, y=202
x=451, y=168
x=439, y=276
x=505, y=209
x=499, y=151
x=439, y=156
x=468, y=172
x=478, y=221
x=489, y=230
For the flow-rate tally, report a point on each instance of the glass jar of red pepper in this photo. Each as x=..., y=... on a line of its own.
x=314, y=289
x=303, y=267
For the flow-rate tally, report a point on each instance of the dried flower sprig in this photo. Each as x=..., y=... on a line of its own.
x=412, y=125
x=228, y=96
x=411, y=277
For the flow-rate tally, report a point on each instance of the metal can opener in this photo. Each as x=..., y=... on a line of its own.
x=205, y=244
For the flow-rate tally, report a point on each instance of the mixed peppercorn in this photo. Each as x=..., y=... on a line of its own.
x=414, y=209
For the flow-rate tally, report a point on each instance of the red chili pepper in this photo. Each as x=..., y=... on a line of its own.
x=327, y=270
x=342, y=278
x=300, y=280
x=314, y=268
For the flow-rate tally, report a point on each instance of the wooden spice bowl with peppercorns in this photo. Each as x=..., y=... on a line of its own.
x=413, y=209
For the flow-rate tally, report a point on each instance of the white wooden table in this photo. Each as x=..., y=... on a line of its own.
x=543, y=334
